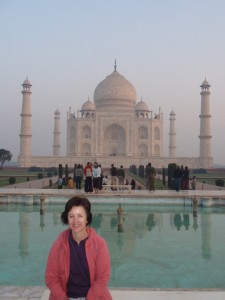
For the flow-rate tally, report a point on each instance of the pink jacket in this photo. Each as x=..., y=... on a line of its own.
x=57, y=269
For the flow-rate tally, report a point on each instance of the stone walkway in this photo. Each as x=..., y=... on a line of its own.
x=41, y=293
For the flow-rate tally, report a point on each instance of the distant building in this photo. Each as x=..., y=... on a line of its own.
x=115, y=128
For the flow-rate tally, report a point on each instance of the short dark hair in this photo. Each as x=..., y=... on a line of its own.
x=77, y=201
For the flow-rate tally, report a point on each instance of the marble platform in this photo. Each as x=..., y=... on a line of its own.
x=41, y=293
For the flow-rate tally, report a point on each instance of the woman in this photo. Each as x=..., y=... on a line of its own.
x=78, y=265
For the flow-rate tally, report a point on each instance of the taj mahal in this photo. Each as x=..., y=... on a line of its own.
x=115, y=128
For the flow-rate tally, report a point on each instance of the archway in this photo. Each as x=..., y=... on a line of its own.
x=114, y=141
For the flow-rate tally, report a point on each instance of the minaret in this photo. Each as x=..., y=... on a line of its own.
x=56, y=142
x=205, y=127
x=25, y=133
x=172, y=135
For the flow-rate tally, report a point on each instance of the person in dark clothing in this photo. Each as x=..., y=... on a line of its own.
x=177, y=178
x=121, y=175
x=150, y=177
x=133, y=184
x=113, y=173
x=185, y=182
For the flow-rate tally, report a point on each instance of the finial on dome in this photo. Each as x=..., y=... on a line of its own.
x=115, y=66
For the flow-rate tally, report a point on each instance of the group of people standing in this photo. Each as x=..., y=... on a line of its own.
x=181, y=178
x=93, y=177
x=91, y=174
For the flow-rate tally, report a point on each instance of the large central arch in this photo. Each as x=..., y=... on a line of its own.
x=114, y=142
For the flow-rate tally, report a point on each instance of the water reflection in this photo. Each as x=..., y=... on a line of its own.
x=206, y=236
x=150, y=222
x=186, y=221
x=136, y=236
x=195, y=220
x=177, y=221
x=120, y=219
x=42, y=220
x=97, y=221
x=23, y=234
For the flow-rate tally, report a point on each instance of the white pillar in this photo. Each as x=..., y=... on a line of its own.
x=56, y=133
x=205, y=125
x=25, y=133
x=172, y=135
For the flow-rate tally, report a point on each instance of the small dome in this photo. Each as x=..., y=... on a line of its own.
x=88, y=105
x=57, y=112
x=205, y=83
x=115, y=91
x=26, y=82
x=141, y=106
x=172, y=113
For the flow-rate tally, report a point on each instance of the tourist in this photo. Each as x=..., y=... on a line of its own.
x=88, y=187
x=60, y=183
x=121, y=175
x=177, y=178
x=96, y=172
x=113, y=173
x=181, y=178
x=185, y=179
x=105, y=180
x=70, y=183
x=193, y=183
x=150, y=177
x=100, y=177
x=78, y=176
x=78, y=265
x=64, y=183
x=133, y=184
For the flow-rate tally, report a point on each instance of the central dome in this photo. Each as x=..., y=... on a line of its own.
x=115, y=91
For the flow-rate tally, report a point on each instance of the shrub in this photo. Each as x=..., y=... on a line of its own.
x=219, y=182
x=49, y=174
x=133, y=169
x=12, y=180
x=40, y=175
x=171, y=169
x=200, y=171
x=141, y=171
x=164, y=176
x=34, y=169
x=53, y=170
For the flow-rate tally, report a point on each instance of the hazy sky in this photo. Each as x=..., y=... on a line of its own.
x=165, y=48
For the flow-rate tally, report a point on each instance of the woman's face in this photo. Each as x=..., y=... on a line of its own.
x=77, y=219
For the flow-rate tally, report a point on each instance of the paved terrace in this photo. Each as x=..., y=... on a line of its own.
x=41, y=293
x=206, y=195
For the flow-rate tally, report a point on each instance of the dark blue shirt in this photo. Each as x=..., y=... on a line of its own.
x=79, y=278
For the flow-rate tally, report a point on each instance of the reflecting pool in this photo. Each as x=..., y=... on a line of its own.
x=150, y=246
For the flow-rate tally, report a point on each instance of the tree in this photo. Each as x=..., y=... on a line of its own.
x=12, y=180
x=5, y=155
x=219, y=182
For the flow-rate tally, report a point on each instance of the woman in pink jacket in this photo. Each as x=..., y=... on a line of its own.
x=78, y=265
